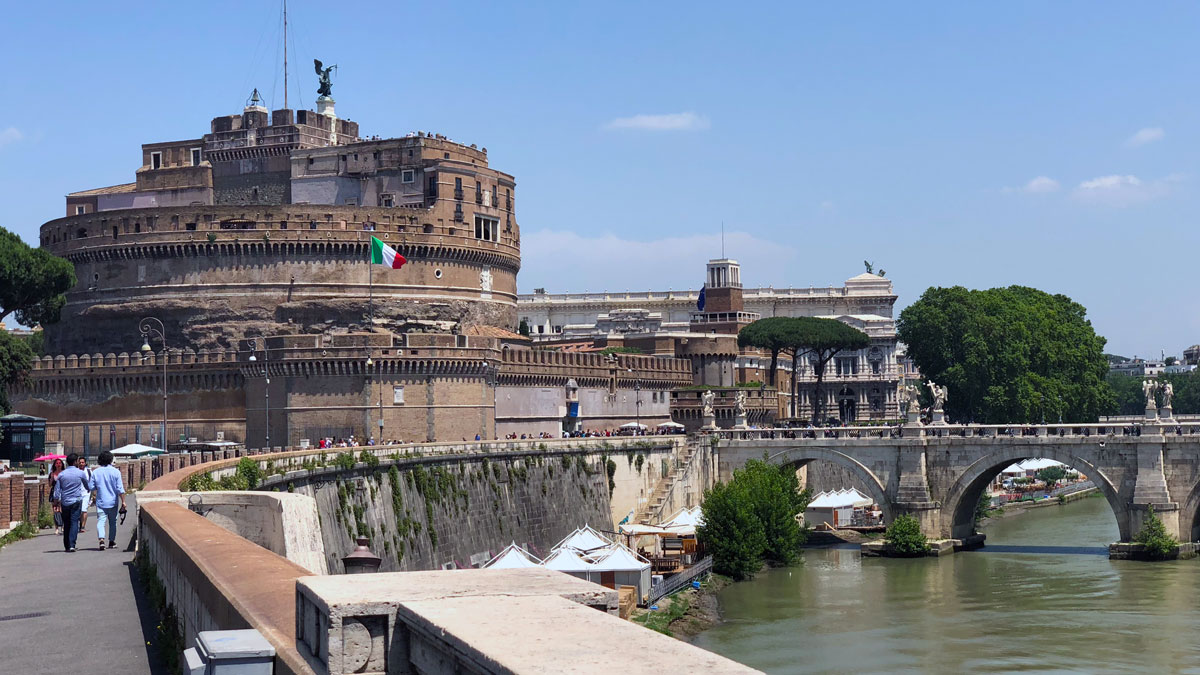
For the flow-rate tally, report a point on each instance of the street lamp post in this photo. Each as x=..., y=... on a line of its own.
x=150, y=326
x=369, y=364
x=637, y=405
x=266, y=387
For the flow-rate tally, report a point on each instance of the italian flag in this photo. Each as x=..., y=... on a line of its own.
x=382, y=254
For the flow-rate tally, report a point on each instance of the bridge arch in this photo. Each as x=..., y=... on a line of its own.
x=958, y=507
x=801, y=456
x=1189, y=517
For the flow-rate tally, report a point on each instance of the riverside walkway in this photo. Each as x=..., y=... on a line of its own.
x=81, y=612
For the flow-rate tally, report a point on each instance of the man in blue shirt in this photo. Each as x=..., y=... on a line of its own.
x=68, y=496
x=107, y=488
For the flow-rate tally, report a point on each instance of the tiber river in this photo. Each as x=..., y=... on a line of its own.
x=1042, y=596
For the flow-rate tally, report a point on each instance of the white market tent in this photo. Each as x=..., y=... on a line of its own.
x=512, y=557
x=835, y=507
x=1034, y=465
x=633, y=425
x=672, y=425
x=620, y=566
x=584, y=541
x=835, y=499
x=684, y=522
x=568, y=562
x=135, y=451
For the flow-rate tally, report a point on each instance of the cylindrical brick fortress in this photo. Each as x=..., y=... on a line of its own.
x=215, y=274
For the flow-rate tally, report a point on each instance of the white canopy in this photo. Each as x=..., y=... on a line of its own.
x=693, y=517
x=637, y=529
x=1031, y=465
x=136, y=449
x=673, y=425
x=584, y=540
x=633, y=425
x=620, y=559
x=566, y=560
x=837, y=499
x=512, y=557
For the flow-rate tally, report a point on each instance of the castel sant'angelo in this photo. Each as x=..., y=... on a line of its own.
x=236, y=267
x=251, y=244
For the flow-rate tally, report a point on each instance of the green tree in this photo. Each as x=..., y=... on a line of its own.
x=731, y=532
x=1007, y=355
x=752, y=519
x=1051, y=475
x=904, y=537
x=1154, y=536
x=769, y=335
x=821, y=340
x=1128, y=398
x=32, y=281
x=15, y=360
x=523, y=328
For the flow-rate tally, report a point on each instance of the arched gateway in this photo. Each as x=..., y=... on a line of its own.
x=938, y=473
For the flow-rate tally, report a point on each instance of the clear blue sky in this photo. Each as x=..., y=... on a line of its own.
x=981, y=144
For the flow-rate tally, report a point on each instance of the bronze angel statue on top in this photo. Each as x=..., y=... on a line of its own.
x=326, y=86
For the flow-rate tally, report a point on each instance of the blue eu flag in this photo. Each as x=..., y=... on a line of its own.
x=700, y=300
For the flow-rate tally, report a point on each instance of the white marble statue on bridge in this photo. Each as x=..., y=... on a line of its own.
x=939, y=394
x=1148, y=388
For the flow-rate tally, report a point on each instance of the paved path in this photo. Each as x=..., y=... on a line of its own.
x=75, y=613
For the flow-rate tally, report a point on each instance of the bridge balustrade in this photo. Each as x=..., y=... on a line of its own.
x=1073, y=430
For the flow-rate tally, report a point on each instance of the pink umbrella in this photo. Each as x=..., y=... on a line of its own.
x=49, y=458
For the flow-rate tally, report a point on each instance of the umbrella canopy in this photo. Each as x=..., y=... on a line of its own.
x=49, y=458
x=511, y=558
x=633, y=425
x=673, y=425
x=136, y=450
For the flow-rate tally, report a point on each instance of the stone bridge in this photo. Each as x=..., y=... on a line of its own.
x=937, y=473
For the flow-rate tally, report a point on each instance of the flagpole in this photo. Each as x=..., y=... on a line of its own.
x=370, y=292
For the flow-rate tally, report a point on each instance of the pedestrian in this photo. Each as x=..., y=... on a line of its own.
x=68, y=496
x=87, y=495
x=56, y=469
x=107, y=488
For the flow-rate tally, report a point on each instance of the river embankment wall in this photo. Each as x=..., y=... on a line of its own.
x=458, y=510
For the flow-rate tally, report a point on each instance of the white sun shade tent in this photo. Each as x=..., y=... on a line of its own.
x=685, y=522
x=620, y=566
x=835, y=507
x=511, y=558
x=568, y=561
x=584, y=541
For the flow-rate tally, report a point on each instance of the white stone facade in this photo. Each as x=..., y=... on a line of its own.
x=867, y=379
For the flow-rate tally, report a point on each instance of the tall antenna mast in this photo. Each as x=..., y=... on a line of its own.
x=285, y=64
x=722, y=240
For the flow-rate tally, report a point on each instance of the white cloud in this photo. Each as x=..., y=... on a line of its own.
x=1120, y=191
x=1144, y=136
x=1039, y=185
x=10, y=135
x=684, y=121
x=561, y=261
x=1113, y=182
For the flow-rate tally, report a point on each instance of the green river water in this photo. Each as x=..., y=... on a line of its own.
x=1042, y=596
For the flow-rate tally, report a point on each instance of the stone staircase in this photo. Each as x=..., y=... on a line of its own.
x=652, y=508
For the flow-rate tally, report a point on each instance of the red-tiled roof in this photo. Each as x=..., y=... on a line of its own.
x=110, y=190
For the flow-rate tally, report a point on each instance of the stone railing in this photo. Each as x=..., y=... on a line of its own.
x=1076, y=430
x=467, y=621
